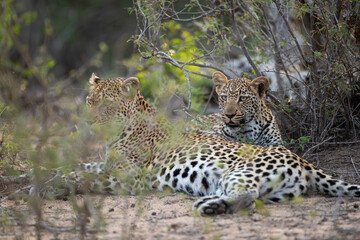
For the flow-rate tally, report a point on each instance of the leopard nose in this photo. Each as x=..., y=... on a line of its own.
x=230, y=115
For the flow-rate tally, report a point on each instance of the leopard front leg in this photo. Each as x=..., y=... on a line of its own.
x=237, y=189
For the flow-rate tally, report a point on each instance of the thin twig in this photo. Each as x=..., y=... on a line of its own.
x=191, y=19
x=208, y=101
x=174, y=62
x=200, y=65
x=290, y=30
x=16, y=192
x=352, y=161
x=317, y=145
x=338, y=143
x=277, y=49
x=239, y=34
x=2, y=111
x=199, y=74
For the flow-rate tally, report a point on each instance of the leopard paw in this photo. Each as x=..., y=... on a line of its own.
x=211, y=205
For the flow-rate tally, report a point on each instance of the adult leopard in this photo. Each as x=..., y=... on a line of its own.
x=244, y=115
x=227, y=175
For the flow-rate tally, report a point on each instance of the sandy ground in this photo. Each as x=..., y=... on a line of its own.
x=169, y=216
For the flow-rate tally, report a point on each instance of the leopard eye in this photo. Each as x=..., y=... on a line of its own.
x=223, y=98
x=241, y=99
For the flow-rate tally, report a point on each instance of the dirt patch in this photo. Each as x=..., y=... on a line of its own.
x=169, y=216
x=342, y=162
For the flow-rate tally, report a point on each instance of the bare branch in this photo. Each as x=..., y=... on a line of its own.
x=315, y=146
x=24, y=178
x=290, y=31
x=239, y=33
x=191, y=19
x=200, y=65
x=352, y=162
x=175, y=63
x=209, y=99
x=199, y=74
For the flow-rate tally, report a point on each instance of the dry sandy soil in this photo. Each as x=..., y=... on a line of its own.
x=169, y=216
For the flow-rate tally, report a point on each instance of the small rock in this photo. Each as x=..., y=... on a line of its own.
x=173, y=227
x=133, y=226
x=256, y=217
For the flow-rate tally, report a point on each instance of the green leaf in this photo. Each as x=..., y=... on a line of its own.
x=103, y=47
x=51, y=64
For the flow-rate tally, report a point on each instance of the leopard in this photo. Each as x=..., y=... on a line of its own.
x=244, y=116
x=225, y=175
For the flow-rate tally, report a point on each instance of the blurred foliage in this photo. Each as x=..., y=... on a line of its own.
x=44, y=42
x=47, y=50
x=8, y=150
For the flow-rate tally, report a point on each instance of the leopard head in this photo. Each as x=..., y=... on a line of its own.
x=239, y=98
x=115, y=97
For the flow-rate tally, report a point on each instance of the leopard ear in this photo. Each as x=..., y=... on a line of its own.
x=131, y=86
x=260, y=85
x=94, y=79
x=220, y=80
